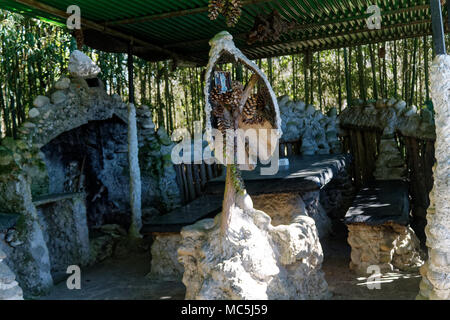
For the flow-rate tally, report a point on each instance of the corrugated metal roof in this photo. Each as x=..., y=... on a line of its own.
x=183, y=27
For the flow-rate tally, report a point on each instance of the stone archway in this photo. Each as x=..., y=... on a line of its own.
x=72, y=103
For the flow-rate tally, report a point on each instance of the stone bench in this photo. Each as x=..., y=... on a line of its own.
x=379, y=232
x=165, y=231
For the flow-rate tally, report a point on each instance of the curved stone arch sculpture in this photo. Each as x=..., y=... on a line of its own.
x=221, y=45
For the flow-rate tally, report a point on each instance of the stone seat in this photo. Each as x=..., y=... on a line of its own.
x=380, y=202
x=165, y=231
x=379, y=232
x=204, y=207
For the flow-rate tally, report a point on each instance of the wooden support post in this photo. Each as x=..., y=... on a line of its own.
x=339, y=79
x=395, y=71
x=427, y=70
x=130, y=74
x=413, y=80
x=347, y=79
x=437, y=27
x=239, y=76
x=305, y=72
x=269, y=62
x=362, y=85
x=374, y=72
x=319, y=81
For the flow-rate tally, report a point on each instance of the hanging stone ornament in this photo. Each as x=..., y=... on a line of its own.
x=240, y=254
x=254, y=111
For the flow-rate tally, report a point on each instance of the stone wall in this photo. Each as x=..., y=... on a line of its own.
x=386, y=246
x=318, y=132
x=24, y=167
x=389, y=116
x=66, y=234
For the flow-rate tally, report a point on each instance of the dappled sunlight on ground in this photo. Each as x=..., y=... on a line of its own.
x=346, y=285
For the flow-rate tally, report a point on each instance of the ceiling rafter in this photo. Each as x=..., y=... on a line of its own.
x=172, y=14
x=93, y=25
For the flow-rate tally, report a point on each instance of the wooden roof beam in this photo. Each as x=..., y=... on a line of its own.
x=172, y=14
x=315, y=25
x=93, y=25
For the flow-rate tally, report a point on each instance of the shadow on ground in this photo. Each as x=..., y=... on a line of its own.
x=118, y=279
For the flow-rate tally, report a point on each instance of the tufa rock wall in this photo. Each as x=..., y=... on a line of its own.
x=318, y=132
x=254, y=260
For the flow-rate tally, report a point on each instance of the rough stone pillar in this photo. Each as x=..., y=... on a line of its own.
x=436, y=272
x=253, y=259
x=135, y=174
x=9, y=288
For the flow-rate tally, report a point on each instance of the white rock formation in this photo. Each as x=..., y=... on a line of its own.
x=165, y=264
x=9, y=288
x=389, y=164
x=436, y=272
x=387, y=246
x=135, y=174
x=41, y=101
x=318, y=132
x=254, y=260
x=80, y=65
x=62, y=84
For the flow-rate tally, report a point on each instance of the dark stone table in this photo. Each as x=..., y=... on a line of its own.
x=201, y=208
x=380, y=202
x=304, y=174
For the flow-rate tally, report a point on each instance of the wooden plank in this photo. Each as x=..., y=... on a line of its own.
x=209, y=172
x=356, y=161
x=289, y=149
x=185, y=182
x=362, y=156
x=190, y=182
x=180, y=181
x=203, y=175
x=197, y=181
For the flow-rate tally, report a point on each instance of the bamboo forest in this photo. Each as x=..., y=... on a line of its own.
x=36, y=53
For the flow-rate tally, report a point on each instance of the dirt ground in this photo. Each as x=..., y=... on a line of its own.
x=125, y=279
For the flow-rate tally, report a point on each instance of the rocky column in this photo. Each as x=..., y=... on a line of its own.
x=135, y=173
x=9, y=289
x=389, y=164
x=253, y=259
x=436, y=272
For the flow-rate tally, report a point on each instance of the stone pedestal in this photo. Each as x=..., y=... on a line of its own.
x=284, y=207
x=387, y=246
x=253, y=259
x=165, y=264
x=64, y=225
